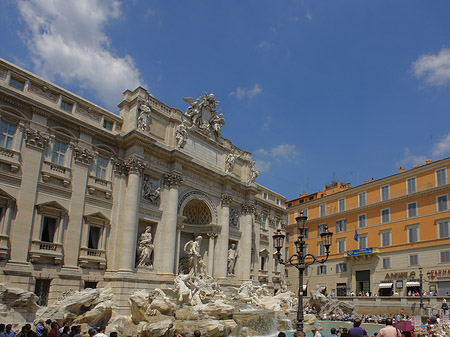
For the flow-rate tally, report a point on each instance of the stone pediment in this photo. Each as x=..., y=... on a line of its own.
x=97, y=217
x=52, y=207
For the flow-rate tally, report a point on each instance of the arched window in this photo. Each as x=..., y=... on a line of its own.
x=197, y=213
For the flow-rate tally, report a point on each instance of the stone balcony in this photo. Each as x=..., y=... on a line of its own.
x=4, y=246
x=11, y=158
x=42, y=251
x=92, y=256
x=59, y=172
x=98, y=184
x=263, y=276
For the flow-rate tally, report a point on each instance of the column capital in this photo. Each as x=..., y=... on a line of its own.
x=134, y=165
x=172, y=179
x=226, y=199
x=258, y=217
x=36, y=139
x=212, y=234
x=248, y=209
x=82, y=155
x=119, y=167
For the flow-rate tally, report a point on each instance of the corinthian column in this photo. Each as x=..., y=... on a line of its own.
x=135, y=168
x=221, y=252
x=166, y=247
x=246, y=241
x=211, y=236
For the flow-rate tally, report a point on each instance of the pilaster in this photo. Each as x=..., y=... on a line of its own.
x=221, y=252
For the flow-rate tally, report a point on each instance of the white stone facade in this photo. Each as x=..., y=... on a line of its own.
x=79, y=185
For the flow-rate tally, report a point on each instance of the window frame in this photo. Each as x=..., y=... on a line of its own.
x=322, y=269
x=341, y=205
x=414, y=186
x=365, y=220
x=58, y=157
x=65, y=104
x=17, y=80
x=437, y=177
x=437, y=203
x=388, y=260
x=323, y=212
x=438, y=225
x=388, y=193
x=386, y=231
x=362, y=196
x=360, y=237
x=340, y=222
x=338, y=245
x=382, y=220
x=320, y=229
x=8, y=137
x=441, y=255
x=408, y=215
x=408, y=236
x=410, y=260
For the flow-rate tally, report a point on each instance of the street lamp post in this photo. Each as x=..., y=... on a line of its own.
x=298, y=259
x=421, y=290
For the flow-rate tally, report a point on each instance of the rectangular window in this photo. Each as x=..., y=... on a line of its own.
x=323, y=210
x=385, y=193
x=287, y=236
x=443, y=229
x=94, y=237
x=90, y=285
x=341, y=267
x=108, y=125
x=362, y=241
x=341, y=225
x=442, y=203
x=59, y=151
x=41, y=289
x=414, y=260
x=67, y=106
x=445, y=256
x=102, y=164
x=412, y=209
x=341, y=245
x=48, y=229
x=413, y=234
x=321, y=229
x=385, y=215
x=441, y=177
x=286, y=272
x=361, y=220
x=305, y=212
x=411, y=185
x=7, y=132
x=321, y=249
x=16, y=83
x=386, y=262
x=341, y=205
x=321, y=270
x=386, y=238
x=362, y=199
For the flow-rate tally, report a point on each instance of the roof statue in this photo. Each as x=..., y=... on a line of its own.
x=202, y=116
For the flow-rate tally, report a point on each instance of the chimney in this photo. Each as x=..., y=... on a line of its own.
x=401, y=170
x=366, y=181
x=428, y=161
x=373, y=179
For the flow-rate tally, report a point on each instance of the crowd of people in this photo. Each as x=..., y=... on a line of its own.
x=51, y=328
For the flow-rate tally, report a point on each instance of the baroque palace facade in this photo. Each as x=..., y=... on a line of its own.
x=386, y=232
x=89, y=198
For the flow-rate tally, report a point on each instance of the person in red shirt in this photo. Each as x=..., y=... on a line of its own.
x=54, y=330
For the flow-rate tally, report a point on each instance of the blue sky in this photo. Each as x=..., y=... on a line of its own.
x=316, y=90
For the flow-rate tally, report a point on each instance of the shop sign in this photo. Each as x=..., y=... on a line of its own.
x=400, y=276
x=359, y=252
x=439, y=273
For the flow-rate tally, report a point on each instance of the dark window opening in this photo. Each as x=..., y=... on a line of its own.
x=48, y=229
x=94, y=237
x=41, y=289
x=92, y=285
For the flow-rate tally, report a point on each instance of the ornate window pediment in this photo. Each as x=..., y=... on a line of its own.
x=52, y=208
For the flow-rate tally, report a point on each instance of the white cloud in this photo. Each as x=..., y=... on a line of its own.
x=263, y=165
x=241, y=93
x=266, y=124
x=410, y=159
x=67, y=42
x=433, y=69
x=442, y=148
x=265, y=44
x=308, y=16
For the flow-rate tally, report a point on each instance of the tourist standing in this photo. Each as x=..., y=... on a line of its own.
x=101, y=332
x=357, y=331
x=315, y=332
x=333, y=332
x=8, y=332
x=389, y=330
x=40, y=328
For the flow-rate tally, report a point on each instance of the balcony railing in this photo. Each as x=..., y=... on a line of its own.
x=62, y=173
x=92, y=256
x=41, y=250
x=99, y=184
x=4, y=246
x=11, y=158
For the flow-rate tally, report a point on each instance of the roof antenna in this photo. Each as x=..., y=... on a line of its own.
x=431, y=145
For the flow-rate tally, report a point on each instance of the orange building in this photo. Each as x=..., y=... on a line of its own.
x=385, y=231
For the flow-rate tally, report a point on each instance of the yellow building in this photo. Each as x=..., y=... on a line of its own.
x=384, y=231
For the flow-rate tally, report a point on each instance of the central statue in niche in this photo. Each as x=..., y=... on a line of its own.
x=195, y=262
